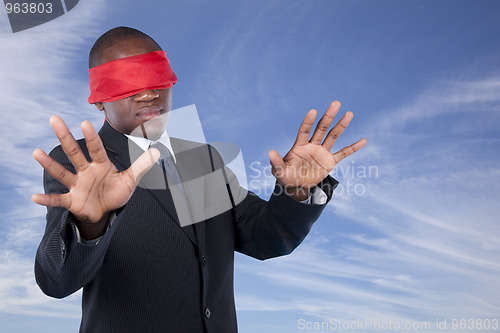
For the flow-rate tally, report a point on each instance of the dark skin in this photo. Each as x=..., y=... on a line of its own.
x=98, y=188
x=127, y=114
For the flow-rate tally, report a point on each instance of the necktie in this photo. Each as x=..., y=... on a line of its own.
x=174, y=184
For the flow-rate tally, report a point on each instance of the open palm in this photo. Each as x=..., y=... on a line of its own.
x=97, y=188
x=310, y=160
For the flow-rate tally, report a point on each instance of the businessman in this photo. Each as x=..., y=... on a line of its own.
x=142, y=270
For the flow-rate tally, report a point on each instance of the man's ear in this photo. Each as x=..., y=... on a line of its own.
x=99, y=106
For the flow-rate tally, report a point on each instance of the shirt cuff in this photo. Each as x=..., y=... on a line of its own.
x=316, y=197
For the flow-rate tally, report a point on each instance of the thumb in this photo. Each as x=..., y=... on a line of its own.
x=276, y=160
x=142, y=165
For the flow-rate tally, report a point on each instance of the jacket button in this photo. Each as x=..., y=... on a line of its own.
x=208, y=313
x=204, y=260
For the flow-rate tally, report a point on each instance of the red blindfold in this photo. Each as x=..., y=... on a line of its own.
x=128, y=76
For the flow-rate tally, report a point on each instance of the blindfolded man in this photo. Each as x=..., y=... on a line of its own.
x=140, y=268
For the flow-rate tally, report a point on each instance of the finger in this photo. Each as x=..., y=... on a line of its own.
x=305, y=128
x=277, y=163
x=325, y=122
x=56, y=170
x=349, y=150
x=94, y=143
x=337, y=130
x=68, y=143
x=52, y=200
x=275, y=159
x=141, y=166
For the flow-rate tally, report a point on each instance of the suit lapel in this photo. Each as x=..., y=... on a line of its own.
x=122, y=149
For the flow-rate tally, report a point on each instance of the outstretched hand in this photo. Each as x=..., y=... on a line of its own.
x=97, y=188
x=310, y=160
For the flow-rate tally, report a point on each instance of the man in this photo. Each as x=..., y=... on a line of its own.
x=140, y=269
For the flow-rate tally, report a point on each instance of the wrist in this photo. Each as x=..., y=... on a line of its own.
x=92, y=230
x=298, y=193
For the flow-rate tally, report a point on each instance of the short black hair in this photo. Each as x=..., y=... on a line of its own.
x=111, y=37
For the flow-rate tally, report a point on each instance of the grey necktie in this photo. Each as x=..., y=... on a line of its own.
x=174, y=184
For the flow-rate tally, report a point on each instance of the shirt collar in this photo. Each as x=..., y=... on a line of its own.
x=144, y=143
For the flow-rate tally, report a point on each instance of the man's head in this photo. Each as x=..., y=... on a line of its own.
x=129, y=113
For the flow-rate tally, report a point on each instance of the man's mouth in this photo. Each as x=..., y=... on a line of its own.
x=149, y=112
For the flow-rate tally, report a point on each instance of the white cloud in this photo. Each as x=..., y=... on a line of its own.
x=20, y=295
x=447, y=98
x=36, y=65
x=422, y=241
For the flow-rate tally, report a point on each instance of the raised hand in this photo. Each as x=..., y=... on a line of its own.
x=97, y=188
x=310, y=160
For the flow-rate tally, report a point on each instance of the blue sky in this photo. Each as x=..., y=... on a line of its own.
x=412, y=232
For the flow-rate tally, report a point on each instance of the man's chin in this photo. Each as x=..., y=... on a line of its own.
x=152, y=129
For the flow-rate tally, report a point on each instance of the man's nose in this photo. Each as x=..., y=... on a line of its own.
x=146, y=95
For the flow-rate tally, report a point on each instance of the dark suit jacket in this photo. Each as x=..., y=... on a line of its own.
x=148, y=274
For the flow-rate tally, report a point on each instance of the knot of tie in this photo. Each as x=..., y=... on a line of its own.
x=164, y=152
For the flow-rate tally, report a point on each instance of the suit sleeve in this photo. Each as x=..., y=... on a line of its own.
x=62, y=264
x=274, y=228
x=267, y=229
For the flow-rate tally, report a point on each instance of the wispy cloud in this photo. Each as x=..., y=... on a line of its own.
x=421, y=242
x=448, y=97
x=34, y=85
